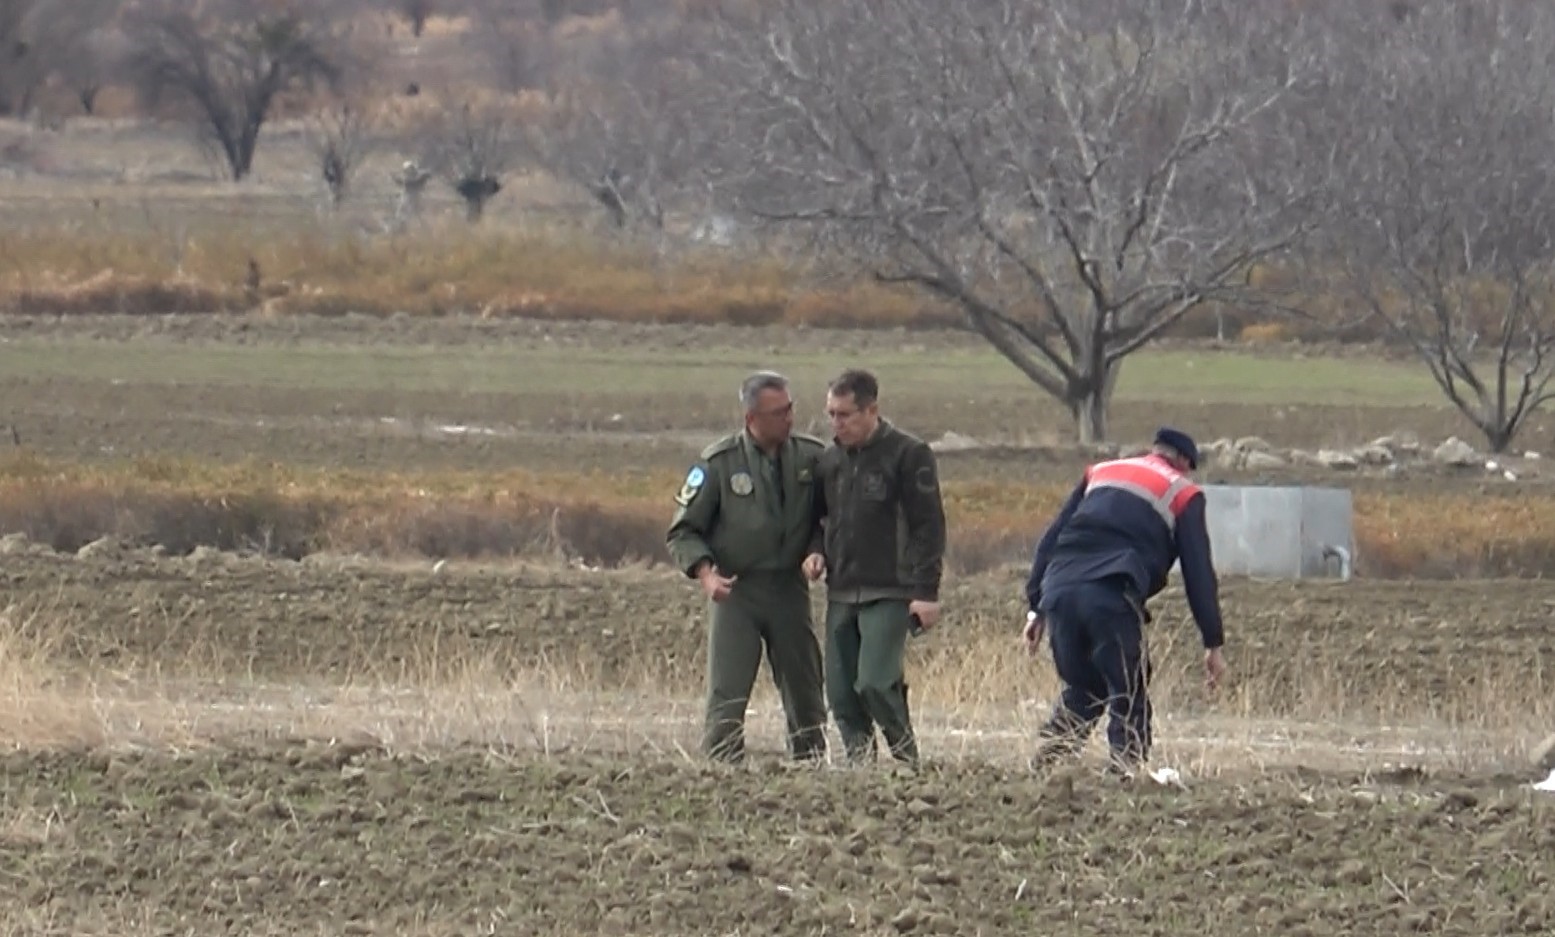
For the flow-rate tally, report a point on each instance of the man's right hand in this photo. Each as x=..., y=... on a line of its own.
x=715, y=585
x=1214, y=667
x=814, y=566
x=1032, y=633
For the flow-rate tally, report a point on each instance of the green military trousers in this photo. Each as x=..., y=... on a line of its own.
x=865, y=677
x=771, y=610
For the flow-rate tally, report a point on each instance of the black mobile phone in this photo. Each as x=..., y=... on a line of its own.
x=914, y=624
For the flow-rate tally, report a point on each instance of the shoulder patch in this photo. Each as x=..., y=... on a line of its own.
x=927, y=479
x=722, y=445
x=695, y=479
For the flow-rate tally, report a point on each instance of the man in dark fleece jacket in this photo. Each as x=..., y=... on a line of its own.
x=878, y=495
x=1110, y=550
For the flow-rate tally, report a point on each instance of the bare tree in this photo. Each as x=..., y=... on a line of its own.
x=96, y=58
x=512, y=37
x=472, y=149
x=1074, y=176
x=340, y=135
x=73, y=40
x=19, y=63
x=416, y=13
x=1446, y=119
x=43, y=38
x=231, y=60
x=618, y=146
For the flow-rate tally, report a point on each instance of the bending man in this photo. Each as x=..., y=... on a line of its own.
x=1110, y=550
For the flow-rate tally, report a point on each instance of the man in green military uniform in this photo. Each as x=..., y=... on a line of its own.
x=745, y=522
x=883, y=556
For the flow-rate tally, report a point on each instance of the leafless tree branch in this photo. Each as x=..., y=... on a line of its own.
x=231, y=61
x=1446, y=122
x=1075, y=176
x=341, y=136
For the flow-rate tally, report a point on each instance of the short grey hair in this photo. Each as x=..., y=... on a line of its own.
x=752, y=387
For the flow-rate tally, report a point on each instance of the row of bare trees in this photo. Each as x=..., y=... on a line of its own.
x=611, y=126
x=73, y=40
x=1073, y=176
x=1443, y=130
x=1077, y=175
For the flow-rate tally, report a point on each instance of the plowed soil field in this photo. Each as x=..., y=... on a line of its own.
x=1385, y=646
x=217, y=743
x=258, y=746
x=345, y=840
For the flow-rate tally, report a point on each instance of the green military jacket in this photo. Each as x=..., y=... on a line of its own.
x=744, y=513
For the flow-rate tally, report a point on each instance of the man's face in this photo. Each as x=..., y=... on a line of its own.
x=771, y=422
x=851, y=424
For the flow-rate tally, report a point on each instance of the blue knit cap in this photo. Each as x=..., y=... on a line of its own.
x=1180, y=441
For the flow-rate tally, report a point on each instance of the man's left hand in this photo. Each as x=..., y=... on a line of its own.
x=927, y=612
x=814, y=566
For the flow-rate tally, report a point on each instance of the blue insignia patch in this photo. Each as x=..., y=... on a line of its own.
x=693, y=483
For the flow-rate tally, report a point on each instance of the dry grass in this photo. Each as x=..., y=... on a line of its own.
x=544, y=256
x=437, y=269
x=536, y=270
x=533, y=270
x=977, y=698
x=605, y=518
x=1457, y=535
x=37, y=702
x=550, y=260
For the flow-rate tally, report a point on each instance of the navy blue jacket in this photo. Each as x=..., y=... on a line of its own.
x=1111, y=531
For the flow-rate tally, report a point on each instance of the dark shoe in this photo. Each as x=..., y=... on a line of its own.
x=1124, y=767
x=905, y=750
x=860, y=753
x=1055, y=750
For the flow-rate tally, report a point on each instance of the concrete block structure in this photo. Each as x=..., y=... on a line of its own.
x=1273, y=532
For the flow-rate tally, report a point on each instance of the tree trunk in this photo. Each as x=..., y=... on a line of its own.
x=1091, y=405
x=474, y=208
x=238, y=152
x=1090, y=416
x=1498, y=435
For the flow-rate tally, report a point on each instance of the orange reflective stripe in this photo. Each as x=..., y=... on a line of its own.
x=1183, y=496
x=1150, y=478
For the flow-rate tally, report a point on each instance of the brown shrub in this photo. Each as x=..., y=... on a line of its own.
x=608, y=520
x=457, y=528
x=107, y=292
x=67, y=515
x=1454, y=536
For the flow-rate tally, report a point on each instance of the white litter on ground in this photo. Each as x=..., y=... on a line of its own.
x=1171, y=777
x=1548, y=784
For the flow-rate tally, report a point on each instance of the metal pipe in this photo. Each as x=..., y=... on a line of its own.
x=1343, y=554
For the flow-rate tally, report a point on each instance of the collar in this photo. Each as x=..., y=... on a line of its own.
x=751, y=445
x=881, y=429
